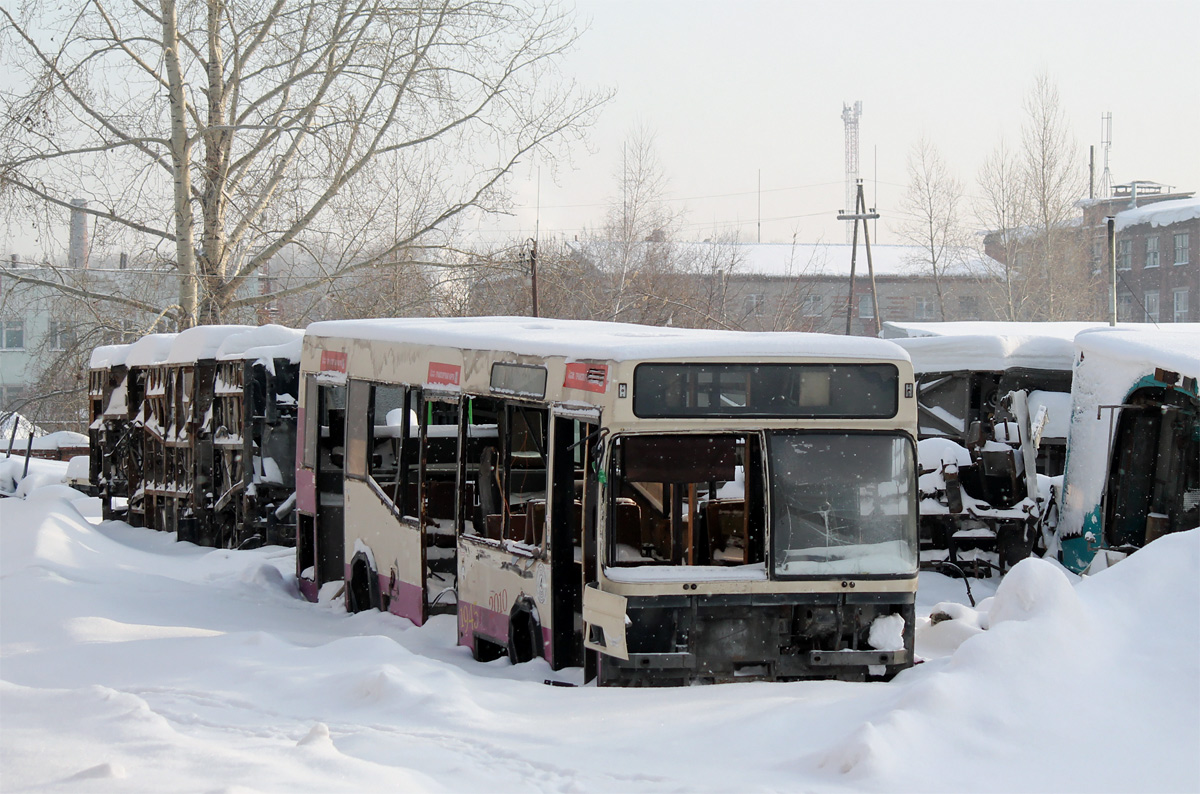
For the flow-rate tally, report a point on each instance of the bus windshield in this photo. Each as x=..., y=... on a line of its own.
x=842, y=504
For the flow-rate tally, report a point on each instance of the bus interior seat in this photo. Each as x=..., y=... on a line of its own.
x=725, y=520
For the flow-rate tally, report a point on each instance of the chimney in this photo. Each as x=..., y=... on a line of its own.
x=77, y=254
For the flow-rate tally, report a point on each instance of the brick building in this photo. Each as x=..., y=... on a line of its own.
x=1157, y=251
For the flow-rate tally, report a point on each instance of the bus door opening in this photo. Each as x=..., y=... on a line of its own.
x=1154, y=475
x=439, y=476
x=324, y=442
x=572, y=443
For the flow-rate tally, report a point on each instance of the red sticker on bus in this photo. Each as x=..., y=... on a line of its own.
x=444, y=374
x=588, y=377
x=333, y=361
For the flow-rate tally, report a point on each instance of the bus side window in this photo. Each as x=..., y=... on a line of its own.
x=528, y=462
x=391, y=419
x=439, y=464
x=481, y=466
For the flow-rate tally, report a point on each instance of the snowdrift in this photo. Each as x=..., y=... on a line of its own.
x=132, y=663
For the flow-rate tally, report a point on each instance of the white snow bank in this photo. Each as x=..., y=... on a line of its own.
x=130, y=662
x=1034, y=589
x=1160, y=213
x=14, y=481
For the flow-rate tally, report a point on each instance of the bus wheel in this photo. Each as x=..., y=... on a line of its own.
x=360, y=594
x=485, y=650
x=524, y=636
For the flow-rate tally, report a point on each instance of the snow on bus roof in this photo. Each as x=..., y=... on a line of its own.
x=108, y=356
x=587, y=339
x=1060, y=330
x=1175, y=347
x=987, y=346
x=201, y=342
x=150, y=349
x=263, y=342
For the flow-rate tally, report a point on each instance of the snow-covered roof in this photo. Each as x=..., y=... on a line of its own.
x=833, y=259
x=60, y=439
x=584, y=339
x=987, y=346
x=1174, y=347
x=802, y=259
x=1160, y=213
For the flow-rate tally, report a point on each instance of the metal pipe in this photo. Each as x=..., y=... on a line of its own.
x=1112, y=268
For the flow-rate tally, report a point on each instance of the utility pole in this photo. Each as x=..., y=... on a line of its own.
x=861, y=214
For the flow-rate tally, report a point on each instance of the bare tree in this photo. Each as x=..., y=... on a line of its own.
x=1052, y=172
x=1002, y=208
x=221, y=133
x=932, y=211
x=1029, y=204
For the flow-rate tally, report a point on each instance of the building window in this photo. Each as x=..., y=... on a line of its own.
x=1125, y=307
x=1180, y=298
x=866, y=307
x=10, y=397
x=968, y=307
x=124, y=332
x=754, y=304
x=61, y=336
x=1124, y=254
x=812, y=305
x=12, y=335
x=1098, y=247
x=923, y=308
x=1181, y=248
x=1151, y=304
x=1151, y=252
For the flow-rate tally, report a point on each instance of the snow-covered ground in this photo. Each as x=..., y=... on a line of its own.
x=130, y=662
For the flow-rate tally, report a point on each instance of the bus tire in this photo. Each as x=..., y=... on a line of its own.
x=484, y=650
x=362, y=592
x=524, y=635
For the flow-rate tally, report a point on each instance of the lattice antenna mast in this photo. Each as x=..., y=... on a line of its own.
x=1106, y=180
x=850, y=119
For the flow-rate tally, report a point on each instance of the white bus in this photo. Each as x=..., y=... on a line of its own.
x=660, y=505
x=1133, y=453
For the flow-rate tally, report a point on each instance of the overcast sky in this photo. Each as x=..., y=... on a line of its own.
x=730, y=88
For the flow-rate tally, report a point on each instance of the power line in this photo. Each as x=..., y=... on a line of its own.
x=683, y=198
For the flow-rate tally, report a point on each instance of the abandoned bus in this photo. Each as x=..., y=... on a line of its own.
x=1133, y=453
x=660, y=505
x=993, y=407
x=194, y=432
